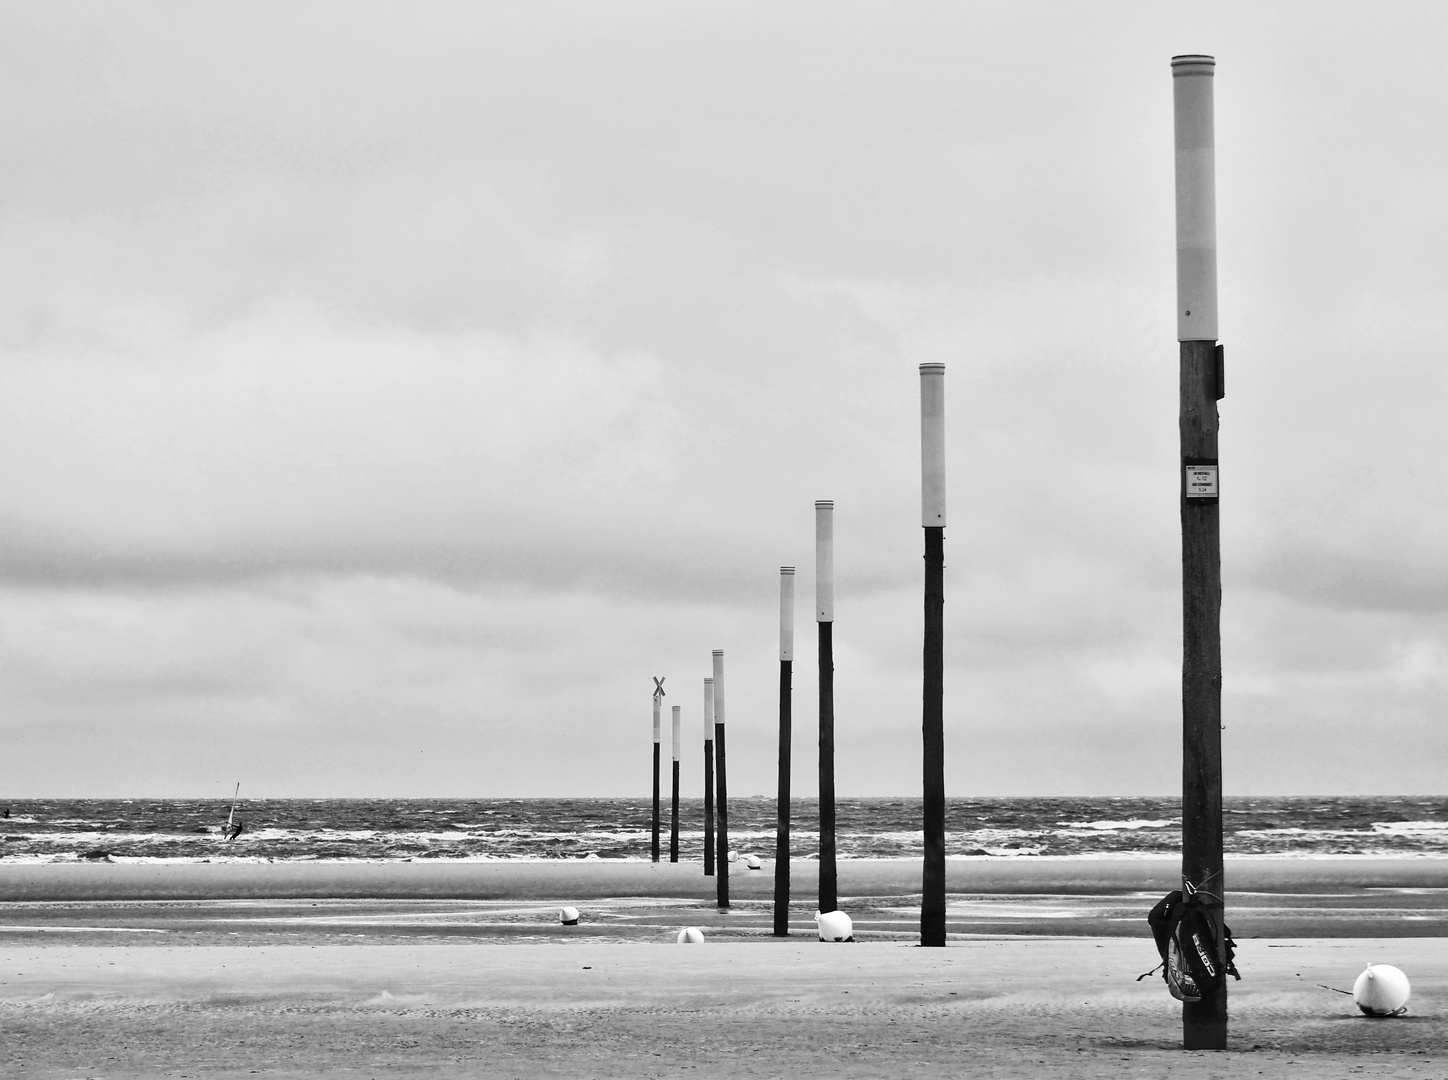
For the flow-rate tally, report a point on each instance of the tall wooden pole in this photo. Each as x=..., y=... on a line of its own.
x=658, y=696
x=708, y=777
x=781, y=834
x=1204, y=1023
x=932, y=514
x=721, y=835
x=825, y=618
x=674, y=819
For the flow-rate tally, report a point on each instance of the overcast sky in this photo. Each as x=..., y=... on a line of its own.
x=389, y=391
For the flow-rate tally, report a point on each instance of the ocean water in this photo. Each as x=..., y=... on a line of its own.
x=176, y=830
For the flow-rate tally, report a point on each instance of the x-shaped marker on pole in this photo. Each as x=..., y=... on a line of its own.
x=659, y=686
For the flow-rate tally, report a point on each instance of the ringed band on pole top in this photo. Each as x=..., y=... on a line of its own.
x=1192, y=64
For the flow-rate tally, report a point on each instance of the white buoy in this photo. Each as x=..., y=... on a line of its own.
x=691, y=935
x=752, y=862
x=834, y=926
x=734, y=856
x=568, y=916
x=1381, y=990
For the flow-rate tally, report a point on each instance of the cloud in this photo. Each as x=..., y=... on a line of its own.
x=372, y=383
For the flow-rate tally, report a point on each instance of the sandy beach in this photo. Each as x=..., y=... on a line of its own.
x=1039, y=977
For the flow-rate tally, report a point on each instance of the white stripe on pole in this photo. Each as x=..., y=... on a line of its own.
x=786, y=613
x=1196, y=198
x=825, y=560
x=708, y=710
x=932, y=445
x=676, y=732
x=718, y=687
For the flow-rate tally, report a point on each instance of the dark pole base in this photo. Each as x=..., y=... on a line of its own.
x=932, y=888
x=829, y=879
x=656, y=803
x=721, y=838
x=674, y=820
x=708, y=807
x=1204, y=1023
x=781, y=835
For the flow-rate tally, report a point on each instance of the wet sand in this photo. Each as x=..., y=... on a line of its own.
x=1270, y=897
x=591, y=878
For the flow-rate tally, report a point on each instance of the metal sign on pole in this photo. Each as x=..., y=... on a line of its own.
x=1204, y=1023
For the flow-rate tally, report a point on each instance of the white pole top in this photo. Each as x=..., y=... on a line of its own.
x=932, y=445
x=718, y=688
x=656, y=718
x=677, y=709
x=1196, y=197
x=825, y=560
x=786, y=613
x=708, y=710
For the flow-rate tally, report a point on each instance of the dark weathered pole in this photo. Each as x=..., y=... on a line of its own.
x=825, y=618
x=708, y=777
x=721, y=835
x=658, y=698
x=781, y=834
x=932, y=515
x=674, y=819
x=1204, y=1023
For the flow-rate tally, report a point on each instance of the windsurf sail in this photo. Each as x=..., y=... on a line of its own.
x=233, y=825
